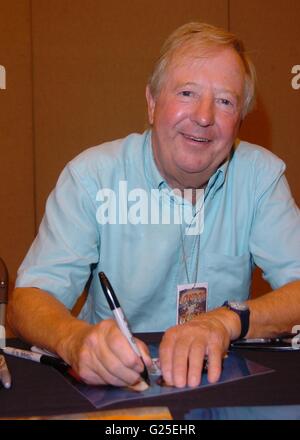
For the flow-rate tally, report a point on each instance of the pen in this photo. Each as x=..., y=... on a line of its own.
x=5, y=376
x=39, y=350
x=257, y=341
x=121, y=320
x=58, y=364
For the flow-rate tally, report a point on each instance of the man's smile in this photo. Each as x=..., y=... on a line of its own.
x=199, y=139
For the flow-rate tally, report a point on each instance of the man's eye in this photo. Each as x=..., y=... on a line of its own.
x=225, y=101
x=186, y=93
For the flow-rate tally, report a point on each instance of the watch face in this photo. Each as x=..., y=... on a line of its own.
x=238, y=305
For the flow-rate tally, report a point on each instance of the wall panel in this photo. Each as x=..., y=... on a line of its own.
x=16, y=147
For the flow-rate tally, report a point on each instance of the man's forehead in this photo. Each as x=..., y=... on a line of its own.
x=185, y=65
x=197, y=56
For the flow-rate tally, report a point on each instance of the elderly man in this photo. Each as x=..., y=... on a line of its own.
x=202, y=87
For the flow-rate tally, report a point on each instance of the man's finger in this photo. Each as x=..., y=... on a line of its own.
x=166, y=356
x=180, y=362
x=196, y=362
x=215, y=358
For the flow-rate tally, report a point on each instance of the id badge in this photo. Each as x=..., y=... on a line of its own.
x=191, y=301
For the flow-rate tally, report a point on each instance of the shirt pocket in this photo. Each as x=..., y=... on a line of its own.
x=228, y=277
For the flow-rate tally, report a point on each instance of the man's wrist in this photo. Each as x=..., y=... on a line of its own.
x=71, y=338
x=242, y=312
x=231, y=322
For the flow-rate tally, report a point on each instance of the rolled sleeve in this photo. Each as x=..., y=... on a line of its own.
x=275, y=235
x=67, y=244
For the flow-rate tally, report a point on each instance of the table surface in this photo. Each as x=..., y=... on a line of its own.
x=39, y=390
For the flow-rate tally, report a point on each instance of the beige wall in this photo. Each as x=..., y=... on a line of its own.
x=76, y=73
x=16, y=135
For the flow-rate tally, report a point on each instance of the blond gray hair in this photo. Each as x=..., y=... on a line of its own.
x=205, y=38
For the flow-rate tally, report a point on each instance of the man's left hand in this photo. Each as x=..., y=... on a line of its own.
x=184, y=347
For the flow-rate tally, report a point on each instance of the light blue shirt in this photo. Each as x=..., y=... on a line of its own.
x=250, y=219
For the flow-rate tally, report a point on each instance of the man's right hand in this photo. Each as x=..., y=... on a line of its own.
x=100, y=354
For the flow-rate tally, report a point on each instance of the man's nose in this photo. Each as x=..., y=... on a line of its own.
x=204, y=112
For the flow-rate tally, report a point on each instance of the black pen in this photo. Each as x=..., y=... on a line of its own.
x=37, y=357
x=55, y=362
x=121, y=320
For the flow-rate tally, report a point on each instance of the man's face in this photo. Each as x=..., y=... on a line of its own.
x=196, y=116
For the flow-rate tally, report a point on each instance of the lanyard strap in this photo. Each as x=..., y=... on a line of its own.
x=184, y=256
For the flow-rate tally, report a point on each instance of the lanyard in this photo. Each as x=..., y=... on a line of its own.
x=196, y=247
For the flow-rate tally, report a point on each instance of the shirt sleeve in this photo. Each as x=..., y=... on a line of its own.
x=275, y=233
x=67, y=243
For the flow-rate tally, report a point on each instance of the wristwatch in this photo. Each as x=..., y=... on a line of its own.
x=242, y=310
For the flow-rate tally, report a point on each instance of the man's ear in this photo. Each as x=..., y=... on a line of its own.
x=151, y=105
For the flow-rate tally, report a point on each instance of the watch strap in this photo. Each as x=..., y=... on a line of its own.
x=244, y=316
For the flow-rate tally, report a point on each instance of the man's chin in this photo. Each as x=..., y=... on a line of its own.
x=193, y=169
x=193, y=177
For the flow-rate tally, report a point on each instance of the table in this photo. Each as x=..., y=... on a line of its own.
x=40, y=390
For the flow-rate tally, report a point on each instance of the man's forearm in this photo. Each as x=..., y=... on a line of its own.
x=40, y=319
x=276, y=312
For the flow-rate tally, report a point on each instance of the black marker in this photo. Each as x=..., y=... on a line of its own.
x=121, y=320
x=55, y=362
x=36, y=357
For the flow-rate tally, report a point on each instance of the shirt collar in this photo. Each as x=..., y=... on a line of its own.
x=218, y=178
